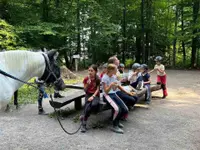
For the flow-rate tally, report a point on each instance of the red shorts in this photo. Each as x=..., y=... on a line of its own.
x=162, y=79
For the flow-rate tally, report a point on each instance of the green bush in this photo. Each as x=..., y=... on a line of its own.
x=129, y=62
x=7, y=36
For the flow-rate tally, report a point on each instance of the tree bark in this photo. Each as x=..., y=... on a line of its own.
x=182, y=29
x=124, y=32
x=78, y=29
x=4, y=10
x=175, y=38
x=138, y=49
x=45, y=11
x=144, y=90
x=195, y=38
x=142, y=32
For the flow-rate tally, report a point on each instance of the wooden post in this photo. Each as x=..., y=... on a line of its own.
x=76, y=64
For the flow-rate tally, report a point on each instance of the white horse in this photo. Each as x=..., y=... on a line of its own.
x=25, y=65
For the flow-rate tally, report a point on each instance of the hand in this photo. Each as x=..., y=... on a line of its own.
x=91, y=99
x=114, y=84
x=88, y=81
x=131, y=93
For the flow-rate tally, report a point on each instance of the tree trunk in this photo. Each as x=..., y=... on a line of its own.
x=195, y=38
x=4, y=14
x=175, y=38
x=138, y=48
x=67, y=62
x=78, y=29
x=45, y=10
x=124, y=32
x=57, y=2
x=149, y=30
x=45, y=14
x=182, y=30
x=142, y=32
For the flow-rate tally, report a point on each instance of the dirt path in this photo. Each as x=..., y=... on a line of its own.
x=169, y=124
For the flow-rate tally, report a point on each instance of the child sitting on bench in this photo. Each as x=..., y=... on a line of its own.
x=91, y=87
x=146, y=79
x=111, y=89
x=135, y=77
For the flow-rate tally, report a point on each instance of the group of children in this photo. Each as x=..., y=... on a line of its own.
x=117, y=96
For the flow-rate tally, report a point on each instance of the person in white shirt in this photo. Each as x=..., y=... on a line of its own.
x=135, y=77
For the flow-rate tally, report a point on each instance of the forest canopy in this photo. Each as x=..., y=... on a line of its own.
x=135, y=30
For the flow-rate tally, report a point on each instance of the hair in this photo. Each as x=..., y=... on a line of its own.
x=111, y=67
x=97, y=79
x=112, y=59
x=94, y=67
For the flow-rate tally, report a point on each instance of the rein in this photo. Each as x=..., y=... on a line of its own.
x=31, y=84
x=15, y=78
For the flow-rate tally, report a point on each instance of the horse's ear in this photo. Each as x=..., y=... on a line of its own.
x=53, y=54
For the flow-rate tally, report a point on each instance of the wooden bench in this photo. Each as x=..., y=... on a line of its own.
x=79, y=93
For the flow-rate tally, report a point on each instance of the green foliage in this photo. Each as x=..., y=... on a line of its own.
x=97, y=26
x=7, y=36
x=129, y=62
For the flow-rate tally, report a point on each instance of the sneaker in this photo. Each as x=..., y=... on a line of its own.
x=41, y=111
x=83, y=128
x=164, y=96
x=117, y=129
x=57, y=95
x=120, y=125
x=147, y=102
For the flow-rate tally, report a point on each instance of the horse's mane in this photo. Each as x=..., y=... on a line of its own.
x=20, y=61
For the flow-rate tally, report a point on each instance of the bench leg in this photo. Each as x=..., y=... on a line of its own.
x=78, y=104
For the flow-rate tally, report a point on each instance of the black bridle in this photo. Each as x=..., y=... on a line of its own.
x=48, y=71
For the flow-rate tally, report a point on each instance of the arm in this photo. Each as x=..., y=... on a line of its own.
x=128, y=93
x=148, y=82
x=37, y=81
x=86, y=87
x=107, y=88
x=161, y=70
x=131, y=75
x=86, y=83
x=96, y=92
x=94, y=95
x=151, y=71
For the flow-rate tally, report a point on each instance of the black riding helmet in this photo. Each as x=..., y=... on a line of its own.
x=136, y=66
x=158, y=58
x=121, y=65
x=144, y=66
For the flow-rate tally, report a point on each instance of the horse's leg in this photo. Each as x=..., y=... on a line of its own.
x=16, y=99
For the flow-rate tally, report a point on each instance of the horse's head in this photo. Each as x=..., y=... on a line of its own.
x=52, y=73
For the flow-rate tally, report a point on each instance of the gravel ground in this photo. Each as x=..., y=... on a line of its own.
x=171, y=124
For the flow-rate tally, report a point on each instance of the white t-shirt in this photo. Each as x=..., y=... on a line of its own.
x=132, y=78
x=161, y=67
x=108, y=80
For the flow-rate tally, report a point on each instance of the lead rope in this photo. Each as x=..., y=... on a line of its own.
x=57, y=117
x=32, y=84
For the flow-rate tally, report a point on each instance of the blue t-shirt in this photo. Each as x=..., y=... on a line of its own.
x=108, y=80
x=146, y=77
